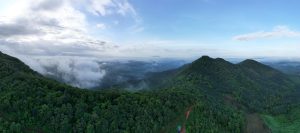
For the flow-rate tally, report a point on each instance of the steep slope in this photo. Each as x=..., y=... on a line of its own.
x=30, y=102
x=211, y=89
x=256, y=86
x=249, y=86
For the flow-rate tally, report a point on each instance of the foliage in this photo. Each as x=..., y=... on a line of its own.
x=30, y=102
x=214, y=119
x=257, y=87
x=284, y=123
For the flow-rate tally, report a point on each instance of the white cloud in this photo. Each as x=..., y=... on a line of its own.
x=101, y=26
x=100, y=7
x=277, y=32
x=50, y=28
x=32, y=29
x=116, y=7
x=126, y=8
x=47, y=5
x=80, y=71
x=110, y=7
x=37, y=30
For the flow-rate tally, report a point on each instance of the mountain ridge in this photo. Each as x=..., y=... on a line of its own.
x=248, y=78
x=31, y=102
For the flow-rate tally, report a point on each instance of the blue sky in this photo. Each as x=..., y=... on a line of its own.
x=75, y=35
x=166, y=28
x=213, y=23
x=207, y=20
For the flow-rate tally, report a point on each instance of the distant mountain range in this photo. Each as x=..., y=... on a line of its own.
x=207, y=95
x=116, y=72
x=288, y=67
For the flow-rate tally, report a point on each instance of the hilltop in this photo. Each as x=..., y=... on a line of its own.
x=217, y=93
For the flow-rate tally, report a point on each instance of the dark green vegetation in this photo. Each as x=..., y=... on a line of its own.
x=248, y=86
x=284, y=123
x=255, y=86
x=31, y=103
x=218, y=93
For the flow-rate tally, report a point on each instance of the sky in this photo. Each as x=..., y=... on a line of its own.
x=78, y=33
x=143, y=28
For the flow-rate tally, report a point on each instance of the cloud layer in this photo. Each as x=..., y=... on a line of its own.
x=59, y=27
x=79, y=72
x=55, y=34
x=33, y=29
x=277, y=32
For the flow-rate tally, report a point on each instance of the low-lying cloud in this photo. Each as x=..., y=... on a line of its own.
x=39, y=31
x=53, y=34
x=78, y=72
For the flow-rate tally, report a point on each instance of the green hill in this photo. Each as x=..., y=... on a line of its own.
x=256, y=86
x=30, y=102
x=216, y=92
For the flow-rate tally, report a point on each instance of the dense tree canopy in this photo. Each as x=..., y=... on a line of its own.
x=30, y=102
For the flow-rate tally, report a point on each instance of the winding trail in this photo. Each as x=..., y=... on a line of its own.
x=174, y=123
x=187, y=114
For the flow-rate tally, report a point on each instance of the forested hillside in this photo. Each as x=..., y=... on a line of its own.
x=31, y=103
x=250, y=87
x=217, y=94
x=256, y=86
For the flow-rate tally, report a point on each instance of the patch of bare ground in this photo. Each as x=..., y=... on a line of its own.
x=255, y=124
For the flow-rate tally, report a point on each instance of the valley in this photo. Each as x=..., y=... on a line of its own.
x=142, y=66
x=31, y=102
